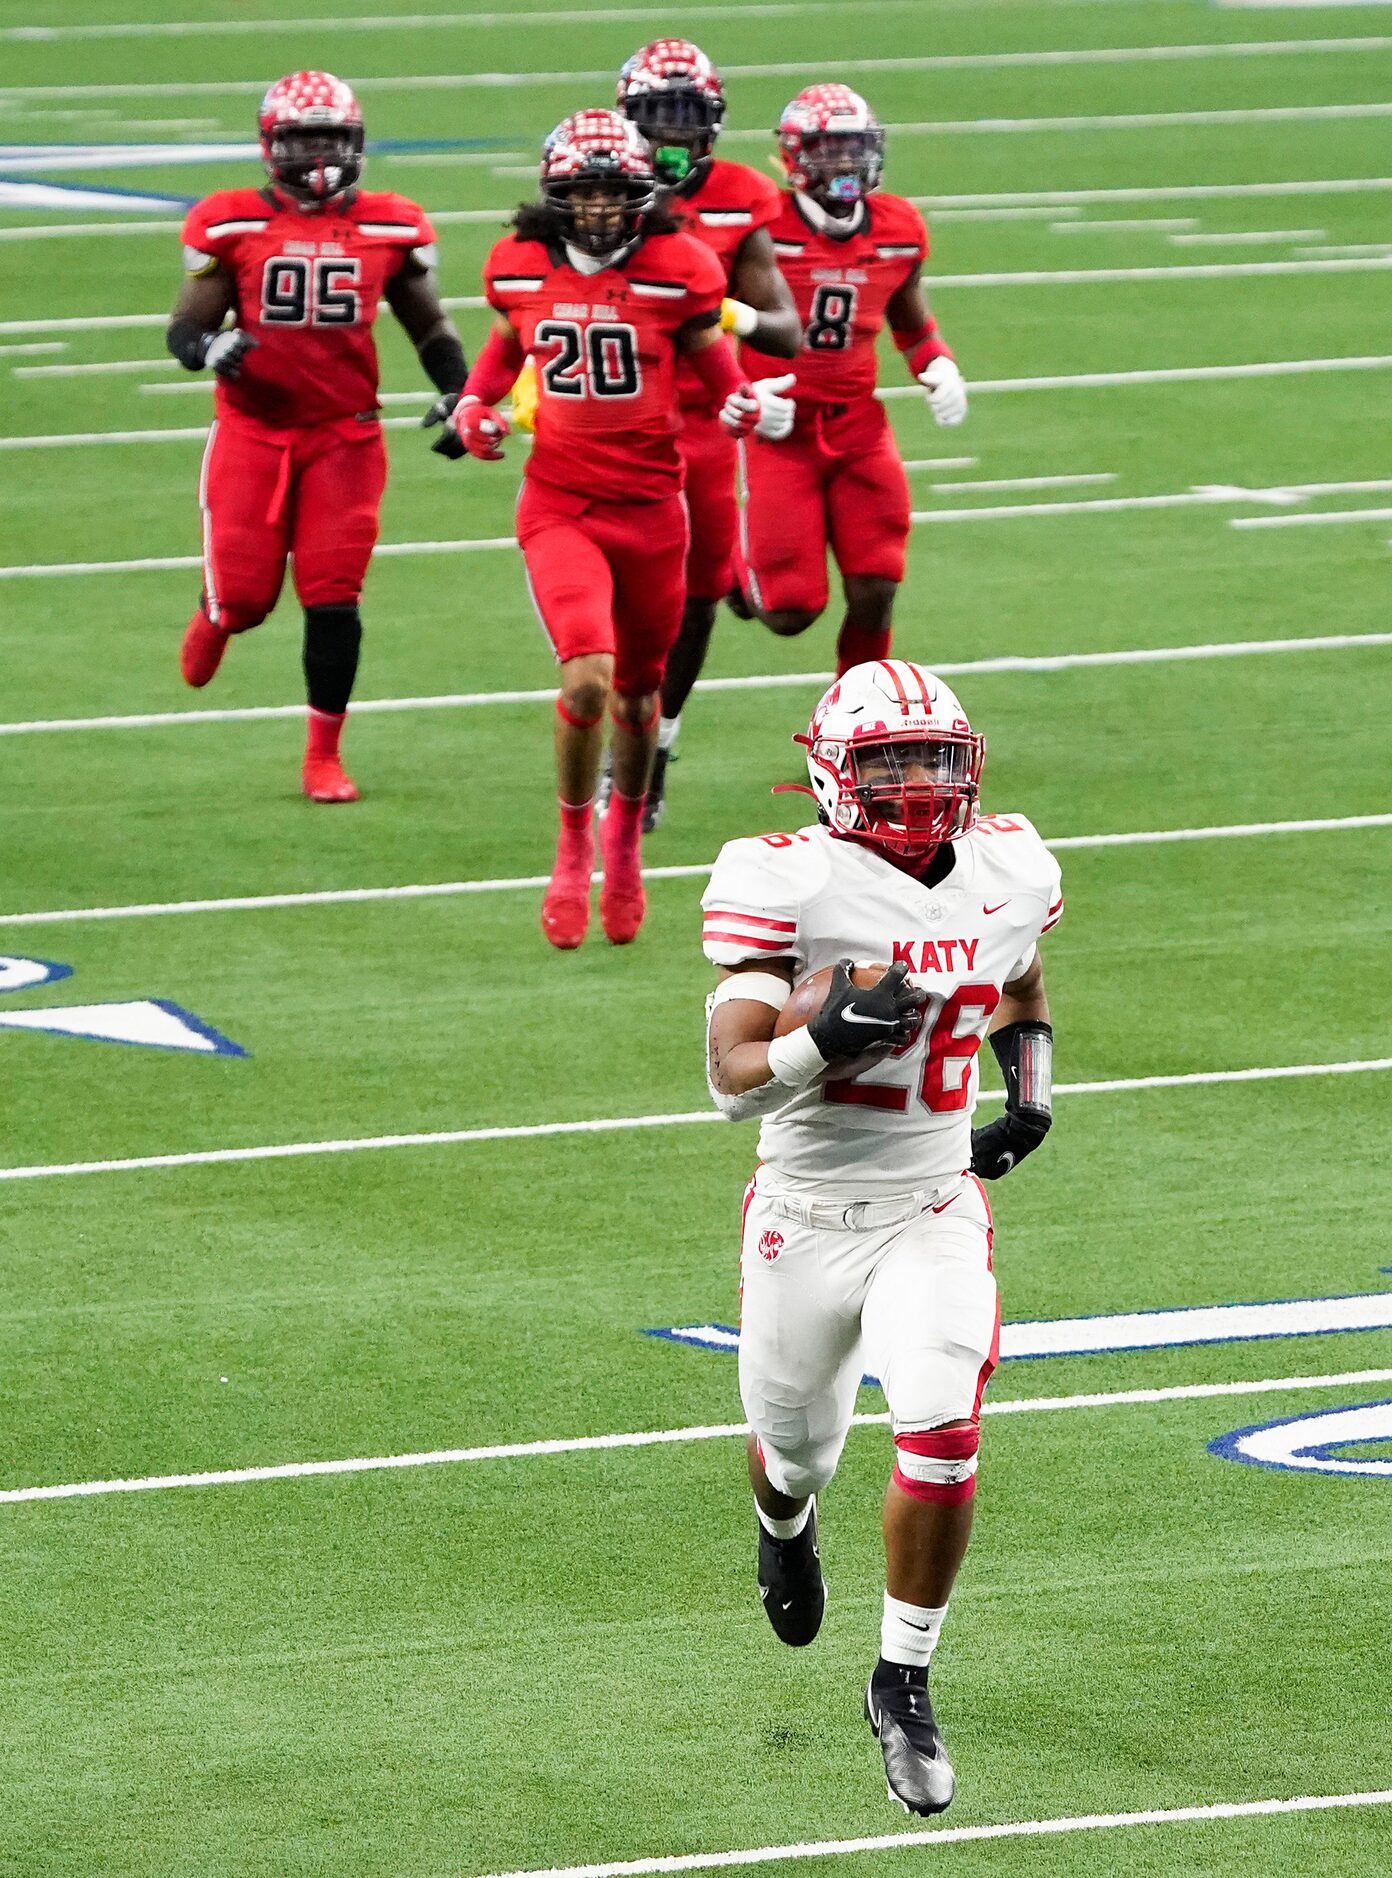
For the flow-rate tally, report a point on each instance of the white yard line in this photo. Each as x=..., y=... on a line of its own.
x=1146, y=225
x=761, y=681
x=1114, y=120
x=1023, y=482
x=528, y=1131
x=1216, y=494
x=1159, y=192
x=1202, y=270
x=1248, y=237
x=697, y=870
x=939, y=462
x=399, y=22
x=1058, y=661
x=664, y=1437
x=105, y=369
x=1350, y=248
x=930, y=1836
x=1326, y=517
x=56, y=345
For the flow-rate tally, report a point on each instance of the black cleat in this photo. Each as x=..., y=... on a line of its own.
x=918, y=1773
x=738, y=602
x=657, y=789
x=791, y=1583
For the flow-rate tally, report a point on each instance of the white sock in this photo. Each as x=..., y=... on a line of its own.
x=667, y=728
x=909, y=1632
x=786, y=1528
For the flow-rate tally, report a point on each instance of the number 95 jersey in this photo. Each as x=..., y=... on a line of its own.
x=810, y=899
x=307, y=289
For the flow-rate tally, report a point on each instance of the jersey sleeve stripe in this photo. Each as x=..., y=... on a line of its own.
x=658, y=289
x=727, y=218
x=892, y=249
x=399, y=231
x=1049, y=925
x=516, y=283
x=715, y=914
x=745, y=939
x=1057, y=907
x=216, y=230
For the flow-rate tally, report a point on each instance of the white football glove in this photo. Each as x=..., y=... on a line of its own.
x=777, y=411
x=947, y=390
x=225, y=351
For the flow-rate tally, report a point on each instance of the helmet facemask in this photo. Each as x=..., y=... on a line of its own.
x=682, y=126
x=600, y=214
x=841, y=167
x=907, y=794
x=313, y=163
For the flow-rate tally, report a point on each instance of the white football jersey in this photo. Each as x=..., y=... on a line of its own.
x=812, y=898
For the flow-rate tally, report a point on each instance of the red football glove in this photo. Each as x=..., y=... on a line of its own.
x=741, y=411
x=480, y=428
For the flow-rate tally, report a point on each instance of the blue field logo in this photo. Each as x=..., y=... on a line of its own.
x=146, y=1023
x=1317, y=1444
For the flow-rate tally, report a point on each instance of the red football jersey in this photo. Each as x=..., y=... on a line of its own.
x=307, y=290
x=732, y=200
x=842, y=285
x=605, y=346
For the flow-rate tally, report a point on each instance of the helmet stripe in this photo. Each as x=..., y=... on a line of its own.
x=898, y=682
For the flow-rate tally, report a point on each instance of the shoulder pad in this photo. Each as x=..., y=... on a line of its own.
x=752, y=901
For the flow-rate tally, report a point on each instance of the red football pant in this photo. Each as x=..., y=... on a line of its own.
x=837, y=482
x=710, y=459
x=267, y=494
x=606, y=577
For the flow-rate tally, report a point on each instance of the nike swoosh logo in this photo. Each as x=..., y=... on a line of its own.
x=1007, y=1161
x=852, y=1016
x=939, y=1209
x=995, y=909
x=913, y=1626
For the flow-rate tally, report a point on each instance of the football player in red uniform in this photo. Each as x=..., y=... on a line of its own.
x=673, y=93
x=294, y=463
x=605, y=293
x=852, y=256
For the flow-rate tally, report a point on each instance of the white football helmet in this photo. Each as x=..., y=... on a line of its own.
x=893, y=760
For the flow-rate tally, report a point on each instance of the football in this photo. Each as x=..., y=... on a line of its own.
x=809, y=994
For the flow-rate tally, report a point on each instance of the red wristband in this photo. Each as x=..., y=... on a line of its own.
x=921, y=348
x=718, y=369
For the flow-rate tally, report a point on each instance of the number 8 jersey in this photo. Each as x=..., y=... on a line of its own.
x=308, y=287
x=842, y=277
x=605, y=345
x=812, y=898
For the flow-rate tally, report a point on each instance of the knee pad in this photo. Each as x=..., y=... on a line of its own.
x=937, y=1464
x=332, y=637
x=802, y=1471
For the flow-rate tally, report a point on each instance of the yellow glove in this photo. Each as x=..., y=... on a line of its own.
x=525, y=398
x=737, y=318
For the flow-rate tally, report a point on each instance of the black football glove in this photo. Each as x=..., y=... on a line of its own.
x=852, y=1021
x=224, y=352
x=447, y=443
x=1025, y=1052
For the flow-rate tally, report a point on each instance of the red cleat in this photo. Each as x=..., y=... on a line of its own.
x=622, y=899
x=203, y=647
x=565, y=912
x=326, y=781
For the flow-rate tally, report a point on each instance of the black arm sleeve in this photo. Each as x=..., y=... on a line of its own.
x=188, y=342
x=444, y=362
x=1025, y=1052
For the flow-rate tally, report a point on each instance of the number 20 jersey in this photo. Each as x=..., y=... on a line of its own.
x=605, y=345
x=308, y=287
x=812, y=898
x=842, y=283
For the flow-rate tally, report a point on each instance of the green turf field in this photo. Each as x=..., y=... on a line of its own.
x=537, y=1660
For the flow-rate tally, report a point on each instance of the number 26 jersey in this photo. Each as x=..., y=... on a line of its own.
x=904, y=1122
x=307, y=289
x=605, y=346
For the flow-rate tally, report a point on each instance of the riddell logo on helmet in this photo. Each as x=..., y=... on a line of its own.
x=770, y=1245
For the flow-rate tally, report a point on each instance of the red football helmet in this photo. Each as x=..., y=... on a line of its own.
x=597, y=173
x=311, y=137
x=832, y=145
x=892, y=759
x=673, y=93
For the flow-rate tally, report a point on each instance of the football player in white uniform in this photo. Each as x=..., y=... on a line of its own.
x=867, y=1231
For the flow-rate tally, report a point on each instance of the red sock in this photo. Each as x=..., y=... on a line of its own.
x=325, y=730
x=857, y=644
x=575, y=843
x=620, y=835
